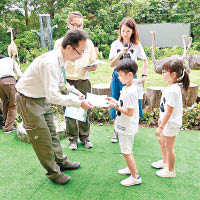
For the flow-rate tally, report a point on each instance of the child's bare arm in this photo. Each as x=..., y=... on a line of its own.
x=162, y=123
x=126, y=111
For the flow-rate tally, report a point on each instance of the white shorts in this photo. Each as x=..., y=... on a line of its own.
x=126, y=143
x=170, y=132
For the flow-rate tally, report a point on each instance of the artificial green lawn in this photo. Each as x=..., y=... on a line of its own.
x=22, y=177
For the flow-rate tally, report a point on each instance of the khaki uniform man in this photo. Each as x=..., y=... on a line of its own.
x=37, y=89
x=8, y=70
x=77, y=74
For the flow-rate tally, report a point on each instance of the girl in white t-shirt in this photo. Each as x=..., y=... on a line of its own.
x=171, y=111
x=127, y=46
x=126, y=123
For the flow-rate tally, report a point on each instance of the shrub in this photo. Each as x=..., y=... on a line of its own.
x=191, y=117
x=27, y=41
x=161, y=53
x=150, y=118
x=99, y=115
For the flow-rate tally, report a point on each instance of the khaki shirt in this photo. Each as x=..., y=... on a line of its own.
x=44, y=77
x=75, y=70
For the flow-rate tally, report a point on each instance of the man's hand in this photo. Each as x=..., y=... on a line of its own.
x=81, y=96
x=91, y=68
x=86, y=105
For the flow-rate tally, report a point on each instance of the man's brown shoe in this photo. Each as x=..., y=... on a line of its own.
x=62, y=179
x=69, y=165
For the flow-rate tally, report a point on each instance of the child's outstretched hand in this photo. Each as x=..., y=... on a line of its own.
x=112, y=102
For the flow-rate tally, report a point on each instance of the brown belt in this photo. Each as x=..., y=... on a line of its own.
x=6, y=77
x=73, y=82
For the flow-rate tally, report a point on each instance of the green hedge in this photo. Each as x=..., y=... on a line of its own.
x=191, y=117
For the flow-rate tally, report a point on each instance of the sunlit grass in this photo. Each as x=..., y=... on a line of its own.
x=103, y=74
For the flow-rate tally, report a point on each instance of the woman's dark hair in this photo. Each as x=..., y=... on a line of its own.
x=127, y=65
x=130, y=22
x=177, y=65
x=73, y=37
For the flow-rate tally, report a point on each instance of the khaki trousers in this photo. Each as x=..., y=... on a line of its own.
x=76, y=128
x=38, y=121
x=7, y=95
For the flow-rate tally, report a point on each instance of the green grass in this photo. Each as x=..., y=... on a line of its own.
x=103, y=74
x=22, y=177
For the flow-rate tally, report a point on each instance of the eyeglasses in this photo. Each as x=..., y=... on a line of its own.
x=79, y=53
x=76, y=26
x=164, y=71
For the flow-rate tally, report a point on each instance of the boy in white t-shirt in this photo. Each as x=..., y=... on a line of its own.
x=126, y=123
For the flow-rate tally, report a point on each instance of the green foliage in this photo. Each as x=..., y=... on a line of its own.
x=99, y=115
x=167, y=52
x=191, y=117
x=101, y=21
x=3, y=43
x=28, y=46
x=150, y=118
x=164, y=11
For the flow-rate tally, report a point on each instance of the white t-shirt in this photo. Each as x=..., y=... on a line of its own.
x=9, y=67
x=133, y=52
x=172, y=96
x=124, y=124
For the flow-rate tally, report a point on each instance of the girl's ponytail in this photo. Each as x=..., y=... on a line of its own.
x=185, y=80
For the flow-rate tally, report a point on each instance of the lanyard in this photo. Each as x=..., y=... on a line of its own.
x=64, y=76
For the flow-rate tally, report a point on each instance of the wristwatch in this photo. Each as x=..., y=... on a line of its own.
x=117, y=106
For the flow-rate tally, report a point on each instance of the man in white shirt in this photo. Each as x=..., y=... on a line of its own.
x=38, y=87
x=77, y=74
x=8, y=70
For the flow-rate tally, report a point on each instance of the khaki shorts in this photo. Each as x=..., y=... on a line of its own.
x=126, y=143
x=170, y=132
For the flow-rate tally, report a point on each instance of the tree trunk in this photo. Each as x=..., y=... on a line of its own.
x=153, y=97
x=51, y=9
x=101, y=89
x=190, y=97
x=26, y=12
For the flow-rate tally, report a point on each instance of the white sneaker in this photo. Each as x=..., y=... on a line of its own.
x=73, y=145
x=165, y=173
x=114, y=137
x=124, y=171
x=159, y=164
x=88, y=144
x=131, y=181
